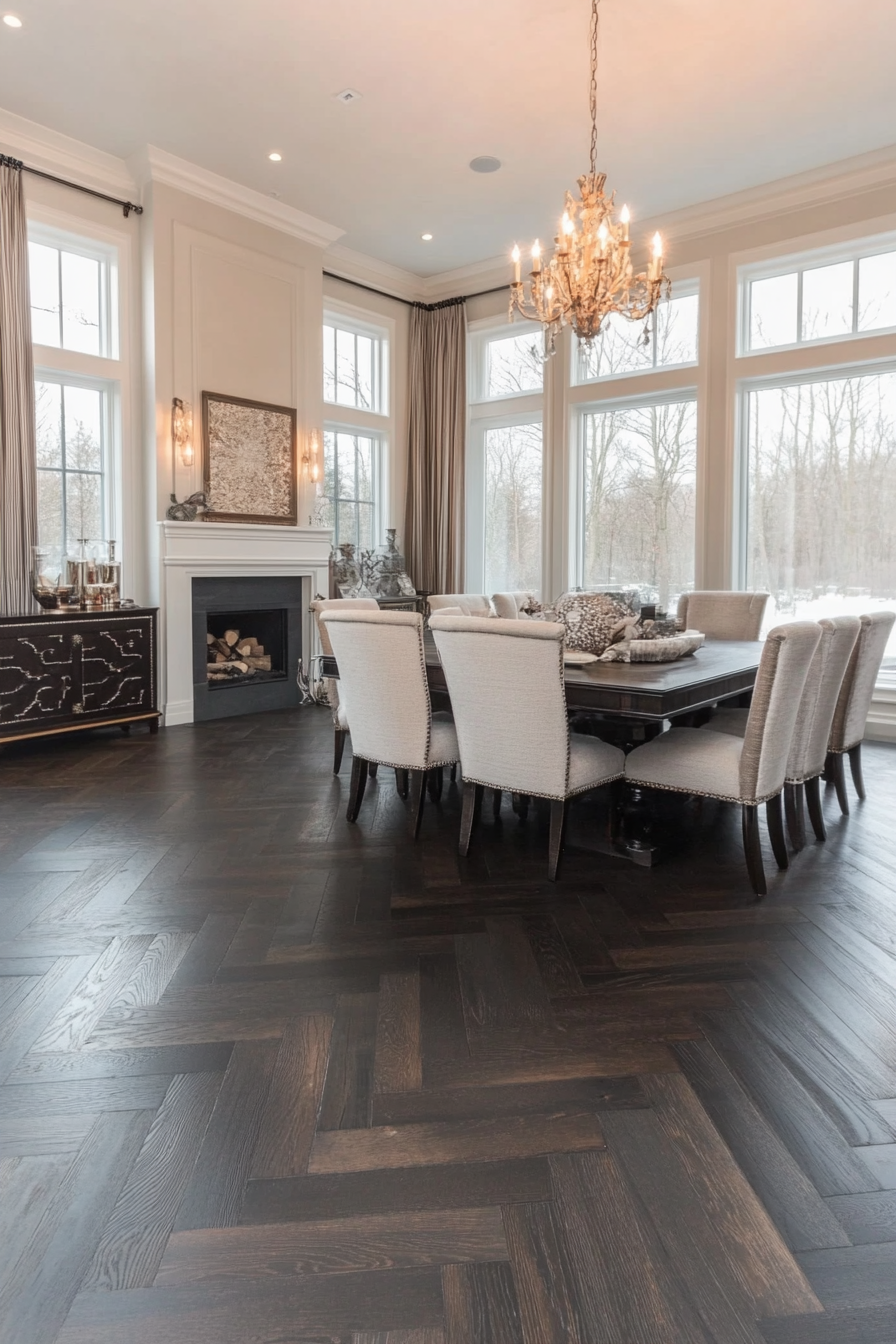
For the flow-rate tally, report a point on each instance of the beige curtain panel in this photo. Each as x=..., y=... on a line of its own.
x=18, y=456
x=434, y=518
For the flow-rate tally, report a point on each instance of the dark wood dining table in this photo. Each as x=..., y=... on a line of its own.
x=629, y=703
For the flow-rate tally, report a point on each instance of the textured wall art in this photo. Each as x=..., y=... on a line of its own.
x=249, y=460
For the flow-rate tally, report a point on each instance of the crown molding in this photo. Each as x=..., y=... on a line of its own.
x=152, y=164
x=786, y=195
x=350, y=265
x=53, y=152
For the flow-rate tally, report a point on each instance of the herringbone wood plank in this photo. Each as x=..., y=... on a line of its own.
x=264, y=1074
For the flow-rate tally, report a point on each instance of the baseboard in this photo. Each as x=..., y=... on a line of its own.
x=177, y=712
x=881, y=725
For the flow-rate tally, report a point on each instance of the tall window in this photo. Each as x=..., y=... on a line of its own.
x=505, y=466
x=74, y=321
x=638, y=466
x=821, y=495
x=666, y=339
x=356, y=431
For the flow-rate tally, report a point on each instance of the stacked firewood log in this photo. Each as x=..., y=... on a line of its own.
x=231, y=656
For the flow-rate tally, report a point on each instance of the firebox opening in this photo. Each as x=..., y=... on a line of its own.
x=245, y=648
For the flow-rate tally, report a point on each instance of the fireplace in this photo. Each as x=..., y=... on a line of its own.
x=247, y=642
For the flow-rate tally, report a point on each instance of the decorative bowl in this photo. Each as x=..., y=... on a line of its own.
x=666, y=650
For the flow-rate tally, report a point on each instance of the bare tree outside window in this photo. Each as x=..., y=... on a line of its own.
x=638, y=498
x=347, y=500
x=70, y=490
x=822, y=495
x=513, y=491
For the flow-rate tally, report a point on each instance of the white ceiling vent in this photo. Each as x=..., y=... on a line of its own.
x=347, y=96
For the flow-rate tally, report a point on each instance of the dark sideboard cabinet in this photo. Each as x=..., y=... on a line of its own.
x=59, y=674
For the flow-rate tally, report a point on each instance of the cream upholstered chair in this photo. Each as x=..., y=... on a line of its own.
x=509, y=605
x=809, y=746
x=490, y=665
x=722, y=615
x=471, y=604
x=749, y=770
x=854, y=702
x=337, y=705
x=383, y=669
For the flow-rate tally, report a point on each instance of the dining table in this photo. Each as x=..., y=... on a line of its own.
x=627, y=704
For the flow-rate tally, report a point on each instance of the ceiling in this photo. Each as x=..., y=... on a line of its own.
x=698, y=98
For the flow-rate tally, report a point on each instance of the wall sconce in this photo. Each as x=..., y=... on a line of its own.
x=182, y=431
x=311, y=458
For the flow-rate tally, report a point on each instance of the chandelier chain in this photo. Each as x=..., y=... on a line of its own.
x=594, y=27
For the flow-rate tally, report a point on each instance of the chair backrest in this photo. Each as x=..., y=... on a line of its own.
x=780, y=682
x=509, y=605
x=505, y=679
x=722, y=615
x=857, y=690
x=471, y=604
x=383, y=672
x=322, y=604
x=823, y=681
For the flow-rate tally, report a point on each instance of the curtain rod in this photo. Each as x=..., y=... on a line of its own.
x=412, y=303
x=127, y=206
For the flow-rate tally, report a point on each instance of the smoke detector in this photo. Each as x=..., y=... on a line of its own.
x=347, y=96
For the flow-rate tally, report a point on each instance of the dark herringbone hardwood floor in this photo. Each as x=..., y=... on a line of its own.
x=266, y=1077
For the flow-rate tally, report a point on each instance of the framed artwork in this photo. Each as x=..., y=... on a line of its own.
x=248, y=461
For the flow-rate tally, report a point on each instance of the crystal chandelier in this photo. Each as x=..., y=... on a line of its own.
x=590, y=274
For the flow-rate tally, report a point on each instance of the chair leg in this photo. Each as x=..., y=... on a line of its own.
x=521, y=805
x=796, y=817
x=497, y=798
x=838, y=775
x=753, y=848
x=774, y=816
x=356, y=793
x=813, y=801
x=401, y=783
x=855, y=765
x=435, y=783
x=372, y=767
x=454, y=772
x=555, y=844
x=338, y=749
x=472, y=800
x=418, y=798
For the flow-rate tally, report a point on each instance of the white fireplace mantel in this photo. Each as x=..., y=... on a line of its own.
x=190, y=551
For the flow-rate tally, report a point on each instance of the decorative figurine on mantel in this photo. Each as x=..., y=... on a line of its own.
x=186, y=511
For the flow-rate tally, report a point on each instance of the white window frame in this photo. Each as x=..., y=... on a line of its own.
x=502, y=412
x=798, y=262
x=687, y=393
x=380, y=448
x=358, y=323
x=380, y=424
x=108, y=372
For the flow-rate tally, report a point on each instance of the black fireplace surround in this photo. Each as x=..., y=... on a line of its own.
x=270, y=609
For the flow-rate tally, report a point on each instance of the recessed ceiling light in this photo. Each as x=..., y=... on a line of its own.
x=485, y=163
x=275, y=157
x=347, y=96
x=12, y=21
x=427, y=237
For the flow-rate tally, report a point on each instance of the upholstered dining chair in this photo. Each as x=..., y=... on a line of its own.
x=749, y=770
x=510, y=605
x=490, y=665
x=722, y=615
x=808, y=749
x=337, y=703
x=471, y=604
x=854, y=702
x=383, y=670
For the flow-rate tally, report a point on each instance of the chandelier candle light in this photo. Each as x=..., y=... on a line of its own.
x=590, y=274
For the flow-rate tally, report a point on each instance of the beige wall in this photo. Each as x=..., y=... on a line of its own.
x=236, y=308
